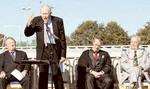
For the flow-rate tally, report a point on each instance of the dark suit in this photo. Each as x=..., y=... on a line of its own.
x=53, y=53
x=86, y=63
x=7, y=64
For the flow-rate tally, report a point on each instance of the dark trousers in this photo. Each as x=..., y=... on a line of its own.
x=100, y=83
x=24, y=82
x=49, y=53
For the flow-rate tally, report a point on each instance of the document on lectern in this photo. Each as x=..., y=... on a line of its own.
x=17, y=74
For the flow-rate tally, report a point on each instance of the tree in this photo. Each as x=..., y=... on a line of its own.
x=115, y=34
x=85, y=32
x=144, y=33
x=111, y=34
x=1, y=39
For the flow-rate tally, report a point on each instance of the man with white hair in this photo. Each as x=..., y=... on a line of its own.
x=51, y=45
x=135, y=62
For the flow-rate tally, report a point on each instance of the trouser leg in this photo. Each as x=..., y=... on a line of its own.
x=147, y=76
x=25, y=83
x=57, y=76
x=43, y=80
x=104, y=82
x=43, y=77
x=108, y=82
x=139, y=83
x=2, y=83
x=89, y=81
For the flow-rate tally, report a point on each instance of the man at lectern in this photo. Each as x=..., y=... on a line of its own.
x=51, y=45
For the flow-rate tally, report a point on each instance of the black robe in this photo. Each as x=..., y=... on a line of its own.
x=86, y=63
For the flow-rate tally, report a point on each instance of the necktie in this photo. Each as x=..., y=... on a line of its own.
x=96, y=56
x=50, y=34
x=13, y=55
x=45, y=35
x=135, y=61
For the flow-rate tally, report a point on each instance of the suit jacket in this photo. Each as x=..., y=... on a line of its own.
x=127, y=58
x=37, y=26
x=86, y=63
x=7, y=63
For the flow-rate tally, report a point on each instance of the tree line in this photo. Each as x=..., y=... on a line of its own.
x=111, y=34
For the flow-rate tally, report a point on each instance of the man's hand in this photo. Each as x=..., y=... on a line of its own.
x=62, y=60
x=2, y=74
x=101, y=73
x=96, y=74
x=30, y=18
x=24, y=72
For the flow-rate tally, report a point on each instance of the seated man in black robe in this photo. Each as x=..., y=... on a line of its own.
x=93, y=69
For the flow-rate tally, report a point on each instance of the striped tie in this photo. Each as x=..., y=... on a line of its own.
x=135, y=61
x=13, y=55
x=50, y=34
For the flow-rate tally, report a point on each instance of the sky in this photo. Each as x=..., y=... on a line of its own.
x=129, y=14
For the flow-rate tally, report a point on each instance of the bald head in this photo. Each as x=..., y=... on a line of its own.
x=135, y=42
x=45, y=12
x=46, y=8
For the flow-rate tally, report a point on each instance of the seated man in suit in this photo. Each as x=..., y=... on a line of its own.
x=94, y=66
x=8, y=66
x=135, y=62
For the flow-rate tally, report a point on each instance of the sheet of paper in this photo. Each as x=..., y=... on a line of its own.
x=17, y=74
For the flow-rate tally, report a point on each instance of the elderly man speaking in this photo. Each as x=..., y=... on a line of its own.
x=51, y=45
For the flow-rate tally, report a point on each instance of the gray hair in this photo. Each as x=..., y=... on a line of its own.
x=10, y=38
x=47, y=6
